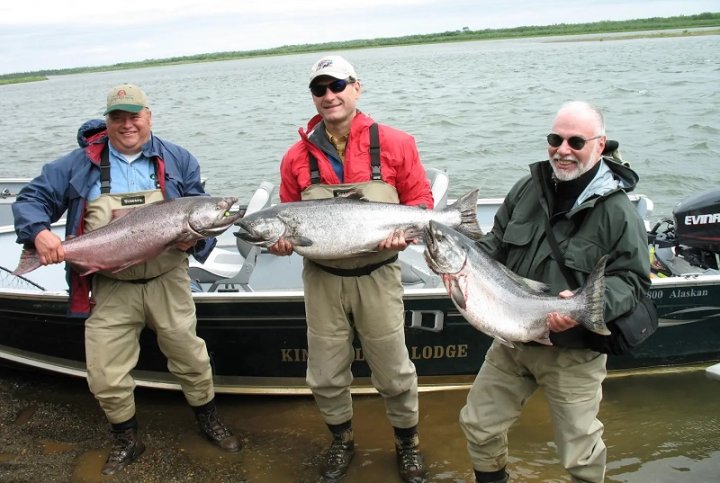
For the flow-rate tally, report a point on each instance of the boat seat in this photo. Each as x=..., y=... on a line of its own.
x=439, y=183
x=261, y=199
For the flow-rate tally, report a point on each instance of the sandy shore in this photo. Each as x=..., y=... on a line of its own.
x=52, y=430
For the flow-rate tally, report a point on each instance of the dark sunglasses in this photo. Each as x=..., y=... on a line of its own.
x=319, y=90
x=575, y=142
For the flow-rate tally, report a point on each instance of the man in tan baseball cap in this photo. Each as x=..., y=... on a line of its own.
x=125, y=166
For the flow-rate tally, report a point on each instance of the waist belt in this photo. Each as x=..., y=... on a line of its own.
x=139, y=280
x=355, y=272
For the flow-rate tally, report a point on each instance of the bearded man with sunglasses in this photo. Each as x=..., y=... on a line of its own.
x=581, y=197
x=344, y=149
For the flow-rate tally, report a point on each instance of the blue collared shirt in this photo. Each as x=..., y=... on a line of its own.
x=126, y=177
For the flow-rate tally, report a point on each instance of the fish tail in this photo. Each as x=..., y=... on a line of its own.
x=594, y=292
x=467, y=205
x=29, y=261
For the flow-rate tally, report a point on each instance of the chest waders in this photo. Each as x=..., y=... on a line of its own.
x=362, y=295
x=155, y=293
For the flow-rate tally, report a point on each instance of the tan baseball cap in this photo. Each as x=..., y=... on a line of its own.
x=126, y=97
x=333, y=66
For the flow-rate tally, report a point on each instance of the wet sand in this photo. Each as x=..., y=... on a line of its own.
x=52, y=430
x=661, y=428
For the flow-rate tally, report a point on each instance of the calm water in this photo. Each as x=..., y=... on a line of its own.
x=481, y=111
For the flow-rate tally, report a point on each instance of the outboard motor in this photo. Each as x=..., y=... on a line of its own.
x=689, y=242
x=697, y=228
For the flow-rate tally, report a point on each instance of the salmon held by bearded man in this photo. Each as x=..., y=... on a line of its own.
x=500, y=303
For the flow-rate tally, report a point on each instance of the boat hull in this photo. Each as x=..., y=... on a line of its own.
x=257, y=342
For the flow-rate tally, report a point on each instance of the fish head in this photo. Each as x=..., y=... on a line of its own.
x=444, y=249
x=210, y=216
x=260, y=228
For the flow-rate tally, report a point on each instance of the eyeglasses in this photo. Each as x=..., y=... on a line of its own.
x=319, y=90
x=575, y=142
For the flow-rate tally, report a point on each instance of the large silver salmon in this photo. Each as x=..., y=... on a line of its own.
x=500, y=303
x=142, y=234
x=346, y=226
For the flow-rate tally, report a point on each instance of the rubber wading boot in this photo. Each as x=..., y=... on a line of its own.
x=499, y=476
x=126, y=448
x=336, y=459
x=409, y=460
x=215, y=431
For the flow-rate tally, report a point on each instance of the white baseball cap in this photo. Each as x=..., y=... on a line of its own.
x=333, y=66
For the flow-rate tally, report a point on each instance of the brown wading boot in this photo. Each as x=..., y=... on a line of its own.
x=126, y=448
x=409, y=459
x=214, y=429
x=338, y=456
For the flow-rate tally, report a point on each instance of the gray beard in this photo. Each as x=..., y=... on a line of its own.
x=564, y=176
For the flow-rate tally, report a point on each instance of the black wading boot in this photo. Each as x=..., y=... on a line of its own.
x=338, y=456
x=409, y=460
x=499, y=476
x=214, y=429
x=126, y=448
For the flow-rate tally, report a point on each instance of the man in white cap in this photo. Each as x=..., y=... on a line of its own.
x=344, y=149
x=123, y=165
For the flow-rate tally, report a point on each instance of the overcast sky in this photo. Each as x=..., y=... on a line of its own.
x=53, y=34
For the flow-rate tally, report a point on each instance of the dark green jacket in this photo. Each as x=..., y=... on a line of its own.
x=606, y=222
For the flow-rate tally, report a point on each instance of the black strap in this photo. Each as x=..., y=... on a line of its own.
x=105, y=170
x=559, y=258
x=375, y=151
x=314, y=170
x=374, y=157
x=355, y=272
x=552, y=241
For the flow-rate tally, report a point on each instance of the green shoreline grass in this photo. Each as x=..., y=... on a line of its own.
x=637, y=28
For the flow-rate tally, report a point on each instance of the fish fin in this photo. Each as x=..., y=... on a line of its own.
x=505, y=342
x=29, y=261
x=83, y=270
x=467, y=205
x=533, y=286
x=300, y=241
x=594, y=291
x=119, y=213
x=544, y=340
x=456, y=293
x=127, y=265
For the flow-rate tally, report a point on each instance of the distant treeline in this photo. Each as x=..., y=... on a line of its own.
x=707, y=19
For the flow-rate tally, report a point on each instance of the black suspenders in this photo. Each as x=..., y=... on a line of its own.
x=374, y=158
x=375, y=152
x=105, y=170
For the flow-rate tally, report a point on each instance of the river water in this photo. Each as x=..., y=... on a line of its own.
x=479, y=110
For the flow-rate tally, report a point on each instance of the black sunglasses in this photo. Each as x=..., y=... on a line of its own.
x=319, y=90
x=575, y=142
